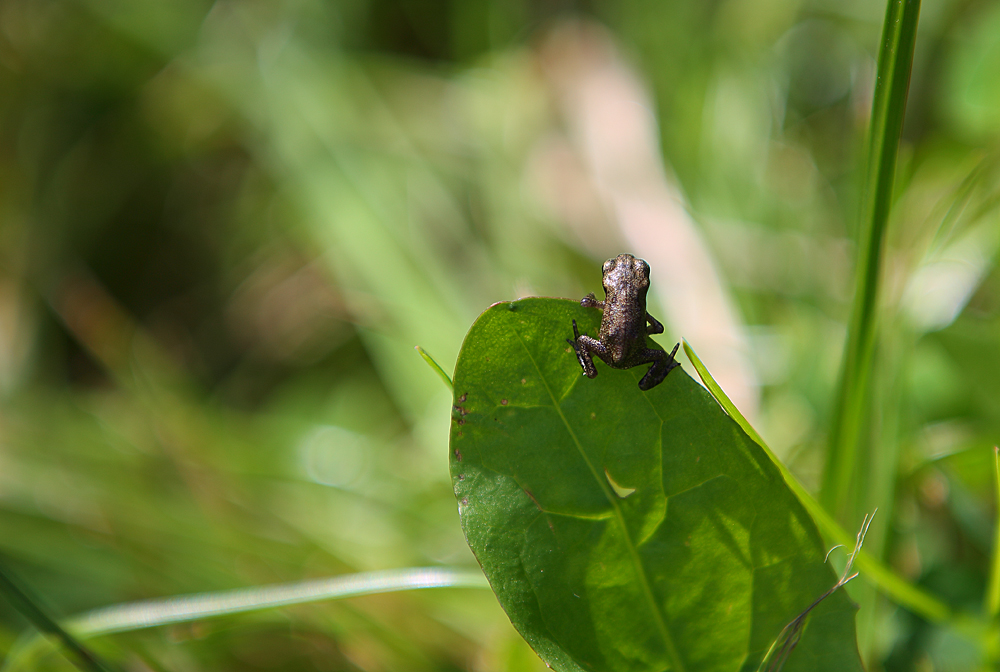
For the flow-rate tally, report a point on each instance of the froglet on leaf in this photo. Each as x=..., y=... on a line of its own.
x=622, y=342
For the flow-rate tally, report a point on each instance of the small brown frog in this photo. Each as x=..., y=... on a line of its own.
x=623, y=332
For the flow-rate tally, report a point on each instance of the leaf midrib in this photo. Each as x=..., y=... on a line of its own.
x=661, y=625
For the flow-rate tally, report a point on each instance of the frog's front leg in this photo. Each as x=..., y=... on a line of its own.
x=590, y=301
x=654, y=325
x=585, y=345
x=662, y=365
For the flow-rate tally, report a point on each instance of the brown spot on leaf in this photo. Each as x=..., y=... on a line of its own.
x=458, y=455
x=503, y=402
x=523, y=381
x=528, y=493
x=461, y=399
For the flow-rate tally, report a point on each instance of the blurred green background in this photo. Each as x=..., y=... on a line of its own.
x=224, y=226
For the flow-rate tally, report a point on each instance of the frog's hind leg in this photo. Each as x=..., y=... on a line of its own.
x=585, y=345
x=654, y=326
x=662, y=365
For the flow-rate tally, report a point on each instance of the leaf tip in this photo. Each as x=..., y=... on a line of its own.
x=436, y=367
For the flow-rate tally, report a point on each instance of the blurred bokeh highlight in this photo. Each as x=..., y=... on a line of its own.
x=225, y=226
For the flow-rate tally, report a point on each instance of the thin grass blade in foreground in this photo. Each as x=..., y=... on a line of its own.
x=150, y=613
x=888, y=107
x=186, y=608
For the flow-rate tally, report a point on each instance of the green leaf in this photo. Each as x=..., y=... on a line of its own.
x=622, y=530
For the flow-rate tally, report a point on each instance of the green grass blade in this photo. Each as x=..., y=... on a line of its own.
x=993, y=590
x=18, y=597
x=888, y=108
x=903, y=593
x=730, y=407
x=434, y=365
x=186, y=608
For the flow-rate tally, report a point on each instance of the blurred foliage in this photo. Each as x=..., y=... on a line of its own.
x=224, y=226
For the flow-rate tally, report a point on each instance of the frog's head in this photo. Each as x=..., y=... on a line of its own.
x=625, y=272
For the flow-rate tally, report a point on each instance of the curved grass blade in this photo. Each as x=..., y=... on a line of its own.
x=186, y=608
x=888, y=107
x=901, y=592
x=151, y=613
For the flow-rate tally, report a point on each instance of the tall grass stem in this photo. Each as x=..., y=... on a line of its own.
x=852, y=401
x=993, y=589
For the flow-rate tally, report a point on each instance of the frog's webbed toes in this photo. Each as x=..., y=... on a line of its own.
x=662, y=365
x=583, y=346
x=586, y=362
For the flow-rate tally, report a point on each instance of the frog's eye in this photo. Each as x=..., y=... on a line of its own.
x=608, y=265
x=643, y=268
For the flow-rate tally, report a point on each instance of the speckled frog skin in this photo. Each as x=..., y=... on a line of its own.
x=622, y=342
